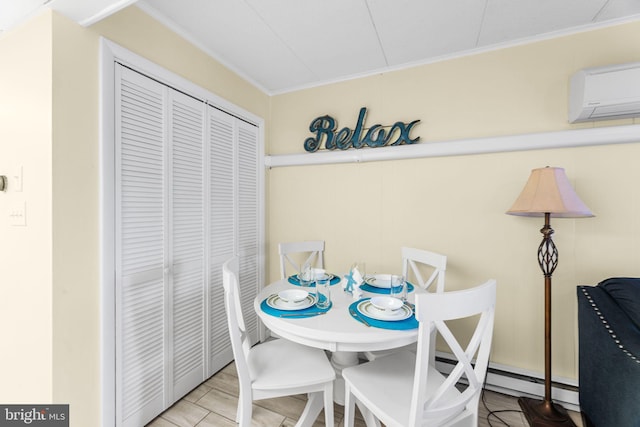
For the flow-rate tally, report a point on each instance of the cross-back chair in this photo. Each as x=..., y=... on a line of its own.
x=310, y=251
x=405, y=390
x=412, y=262
x=415, y=262
x=275, y=368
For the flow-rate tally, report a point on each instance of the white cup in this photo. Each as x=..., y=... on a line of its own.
x=305, y=275
x=398, y=287
x=323, y=291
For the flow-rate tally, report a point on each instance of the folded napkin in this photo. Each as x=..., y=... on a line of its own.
x=317, y=272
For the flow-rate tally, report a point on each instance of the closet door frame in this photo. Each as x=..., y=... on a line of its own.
x=110, y=53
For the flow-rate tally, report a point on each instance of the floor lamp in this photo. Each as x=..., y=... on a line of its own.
x=547, y=193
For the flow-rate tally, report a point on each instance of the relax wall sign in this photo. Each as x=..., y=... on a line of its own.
x=324, y=129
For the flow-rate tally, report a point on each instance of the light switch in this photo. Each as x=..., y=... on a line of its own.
x=18, y=213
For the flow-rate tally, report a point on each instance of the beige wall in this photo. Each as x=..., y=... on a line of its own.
x=76, y=322
x=26, y=372
x=49, y=123
x=456, y=205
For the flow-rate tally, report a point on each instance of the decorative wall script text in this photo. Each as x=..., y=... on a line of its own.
x=324, y=128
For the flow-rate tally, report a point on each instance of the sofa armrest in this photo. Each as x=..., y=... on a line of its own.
x=609, y=360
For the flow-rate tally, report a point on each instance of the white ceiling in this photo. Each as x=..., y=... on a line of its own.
x=284, y=45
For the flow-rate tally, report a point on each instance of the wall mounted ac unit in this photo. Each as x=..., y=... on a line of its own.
x=604, y=93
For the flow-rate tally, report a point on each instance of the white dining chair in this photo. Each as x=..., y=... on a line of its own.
x=417, y=264
x=296, y=254
x=405, y=390
x=274, y=368
x=414, y=262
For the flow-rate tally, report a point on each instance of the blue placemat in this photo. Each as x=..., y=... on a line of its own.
x=307, y=312
x=408, y=323
x=375, y=290
x=294, y=280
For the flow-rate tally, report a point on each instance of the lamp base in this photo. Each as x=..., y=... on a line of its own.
x=540, y=413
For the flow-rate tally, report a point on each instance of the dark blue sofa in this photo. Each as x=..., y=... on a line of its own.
x=609, y=358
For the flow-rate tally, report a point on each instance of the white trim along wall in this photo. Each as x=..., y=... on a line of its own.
x=531, y=141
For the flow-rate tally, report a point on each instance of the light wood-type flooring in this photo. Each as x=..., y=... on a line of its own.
x=213, y=403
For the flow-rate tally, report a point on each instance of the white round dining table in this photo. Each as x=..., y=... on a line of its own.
x=335, y=331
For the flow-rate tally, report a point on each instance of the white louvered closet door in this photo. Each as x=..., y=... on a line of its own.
x=187, y=198
x=248, y=221
x=187, y=244
x=222, y=228
x=141, y=233
x=160, y=247
x=234, y=224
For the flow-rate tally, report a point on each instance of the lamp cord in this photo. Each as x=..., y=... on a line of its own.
x=493, y=413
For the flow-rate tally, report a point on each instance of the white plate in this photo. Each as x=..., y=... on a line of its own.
x=370, y=310
x=274, y=301
x=379, y=281
x=331, y=277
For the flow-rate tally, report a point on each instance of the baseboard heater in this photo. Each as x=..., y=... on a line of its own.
x=520, y=382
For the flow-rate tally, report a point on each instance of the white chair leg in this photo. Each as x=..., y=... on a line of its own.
x=369, y=419
x=311, y=410
x=328, y=405
x=245, y=408
x=349, y=406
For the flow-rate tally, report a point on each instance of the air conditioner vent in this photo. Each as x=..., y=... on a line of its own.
x=605, y=93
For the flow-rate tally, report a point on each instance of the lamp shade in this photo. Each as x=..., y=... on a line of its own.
x=548, y=191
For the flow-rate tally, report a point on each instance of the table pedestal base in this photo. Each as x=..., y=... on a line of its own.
x=341, y=360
